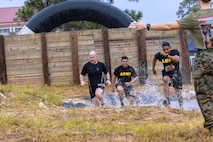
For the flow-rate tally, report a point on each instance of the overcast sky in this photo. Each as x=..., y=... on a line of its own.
x=157, y=11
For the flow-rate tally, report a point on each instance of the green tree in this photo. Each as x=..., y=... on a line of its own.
x=31, y=7
x=187, y=7
x=136, y=16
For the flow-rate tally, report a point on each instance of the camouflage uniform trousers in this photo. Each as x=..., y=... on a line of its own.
x=203, y=83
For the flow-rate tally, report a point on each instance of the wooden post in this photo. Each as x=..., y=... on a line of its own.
x=46, y=72
x=75, y=65
x=185, y=57
x=107, y=59
x=143, y=71
x=3, y=76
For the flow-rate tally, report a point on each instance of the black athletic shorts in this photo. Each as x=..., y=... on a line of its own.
x=176, y=78
x=92, y=89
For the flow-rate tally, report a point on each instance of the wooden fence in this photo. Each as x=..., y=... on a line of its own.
x=56, y=58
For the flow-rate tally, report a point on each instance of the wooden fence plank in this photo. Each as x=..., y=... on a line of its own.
x=143, y=71
x=185, y=57
x=45, y=60
x=3, y=77
x=107, y=59
x=75, y=65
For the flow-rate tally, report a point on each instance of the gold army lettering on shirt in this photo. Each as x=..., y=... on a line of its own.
x=125, y=73
x=167, y=60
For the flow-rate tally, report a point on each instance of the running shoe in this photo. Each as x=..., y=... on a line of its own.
x=103, y=105
x=166, y=102
x=122, y=104
x=180, y=101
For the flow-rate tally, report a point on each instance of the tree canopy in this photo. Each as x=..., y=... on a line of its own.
x=187, y=7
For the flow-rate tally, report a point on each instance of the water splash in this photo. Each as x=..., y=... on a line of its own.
x=114, y=101
x=147, y=95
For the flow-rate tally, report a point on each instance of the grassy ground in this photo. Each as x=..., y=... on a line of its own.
x=23, y=120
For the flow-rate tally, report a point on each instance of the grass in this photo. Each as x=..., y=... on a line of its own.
x=21, y=119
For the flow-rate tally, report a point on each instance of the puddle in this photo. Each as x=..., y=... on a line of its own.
x=112, y=100
x=148, y=95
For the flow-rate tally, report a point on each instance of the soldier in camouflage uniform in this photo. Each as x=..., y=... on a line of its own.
x=203, y=80
x=200, y=24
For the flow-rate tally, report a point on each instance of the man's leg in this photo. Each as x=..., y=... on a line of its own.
x=120, y=91
x=204, y=93
x=94, y=98
x=95, y=101
x=166, y=80
x=131, y=100
x=177, y=84
x=92, y=95
x=130, y=94
x=179, y=96
x=203, y=80
x=99, y=95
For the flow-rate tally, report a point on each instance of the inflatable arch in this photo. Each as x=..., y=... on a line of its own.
x=75, y=10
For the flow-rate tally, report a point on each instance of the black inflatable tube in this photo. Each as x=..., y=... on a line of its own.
x=74, y=10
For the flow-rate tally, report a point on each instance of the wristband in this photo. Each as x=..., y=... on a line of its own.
x=148, y=26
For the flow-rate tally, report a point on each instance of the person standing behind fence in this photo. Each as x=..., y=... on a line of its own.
x=95, y=71
x=171, y=73
x=203, y=69
x=125, y=76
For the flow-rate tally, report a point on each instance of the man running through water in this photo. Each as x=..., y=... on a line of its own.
x=95, y=70
x=171, y=73
x=125, y=76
